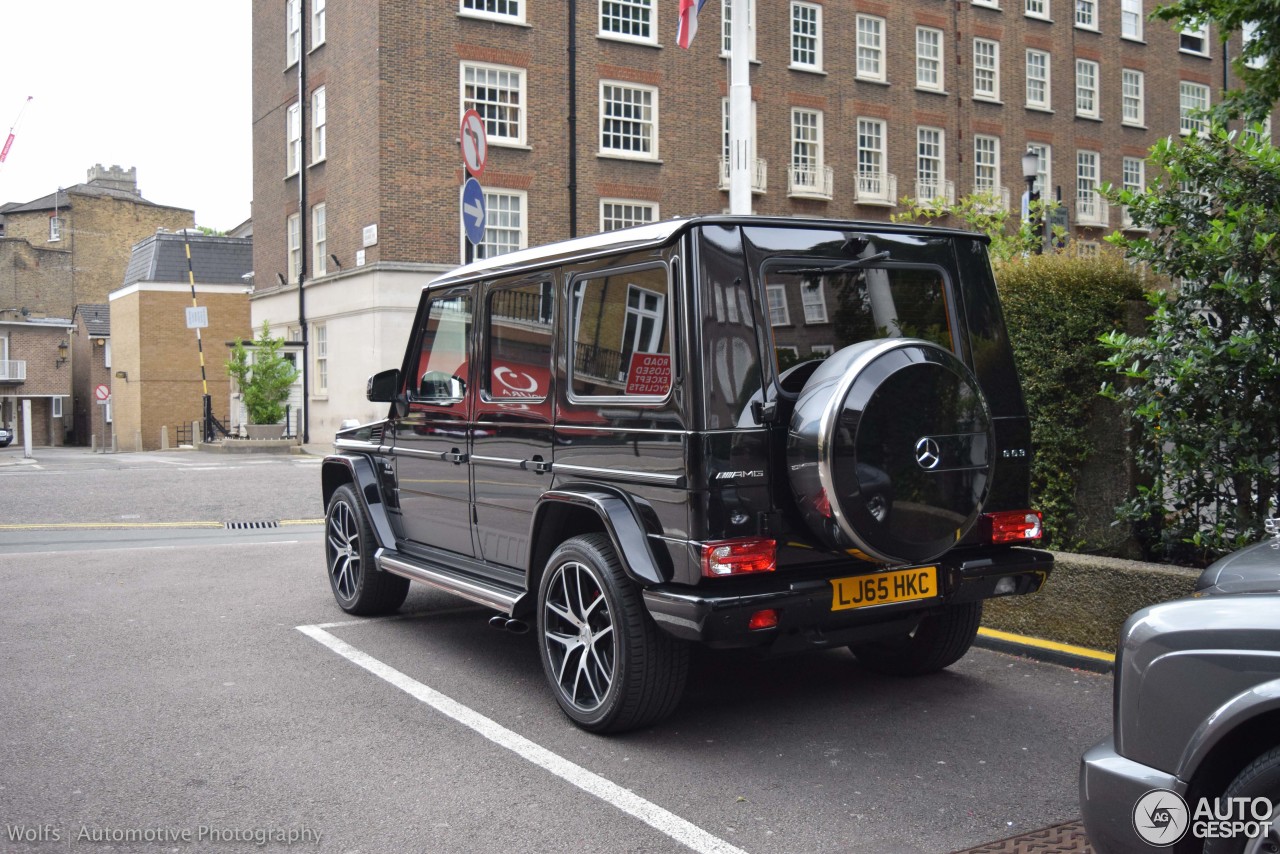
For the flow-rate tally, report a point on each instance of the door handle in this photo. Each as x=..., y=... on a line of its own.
x=538, y=465
x=455, y=456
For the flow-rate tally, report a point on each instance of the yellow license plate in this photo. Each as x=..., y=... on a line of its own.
x=883, y=588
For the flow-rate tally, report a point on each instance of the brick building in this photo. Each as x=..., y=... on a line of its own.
x=601, y=121
x=155, y=374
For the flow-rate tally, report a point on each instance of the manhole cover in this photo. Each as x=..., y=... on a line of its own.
x=241, y=526
x=1059, y=839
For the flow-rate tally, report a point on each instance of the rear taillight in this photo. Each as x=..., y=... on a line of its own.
x=739, y=557
x=1012, y=526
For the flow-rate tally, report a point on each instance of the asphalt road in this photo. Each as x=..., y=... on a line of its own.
x=162, y=680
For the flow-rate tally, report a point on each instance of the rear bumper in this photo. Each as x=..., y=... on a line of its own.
x=1110, y=787
x=718, y=615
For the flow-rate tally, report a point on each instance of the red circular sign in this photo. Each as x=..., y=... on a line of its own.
x=102, y=392
x=475, y=144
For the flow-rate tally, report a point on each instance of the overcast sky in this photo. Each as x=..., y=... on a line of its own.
x=160, y=86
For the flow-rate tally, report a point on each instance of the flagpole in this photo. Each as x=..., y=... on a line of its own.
x=741, y=161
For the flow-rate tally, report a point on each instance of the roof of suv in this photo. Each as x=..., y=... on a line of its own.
x=659, y=233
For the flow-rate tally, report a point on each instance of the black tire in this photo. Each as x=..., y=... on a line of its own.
x=358, y=585
x=608, y=664
x=1260, y=780
x=938, y=642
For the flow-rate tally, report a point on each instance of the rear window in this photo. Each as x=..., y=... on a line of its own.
x=815, y=309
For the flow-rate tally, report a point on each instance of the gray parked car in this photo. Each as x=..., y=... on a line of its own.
x=6, y=436
x=1194, y=761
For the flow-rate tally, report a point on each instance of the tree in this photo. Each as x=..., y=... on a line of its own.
x=1203, y=385
x=1257, y=66
x=984, y=213
x=265, y=382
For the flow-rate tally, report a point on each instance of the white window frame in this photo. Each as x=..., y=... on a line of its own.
x=1036, y=9
x=319, y=240
x=807, y=147
x=873, y=160
x=1188, y=90
x=293, y=246
x=1133, y=106
x=319, y=24
x=56, y=412
x=929, y=59
x=772, y=291
x=292, y=139
x=504, y=11
x=319, y=126
x=936, y=176
x=1249, y=32
x=496, y=113
x=986, y=69
x=1086, y=14
x=1087, y=162
x=814, y=309
x=870, y=48
x=806, y=36
x=622, y=213
x=1133, y=176
x=106, y=354
x=292, y=32
x=1042, y=80
x=990, y=4
x=1086, y=88
x=641, y=18
x=503, y=204
x=320, y=358
x=1190, y=34
x=1131, y=20
x=647, y=122
x=55, y=228
x=986, y=165
x=726, y=23
x=1044, y=167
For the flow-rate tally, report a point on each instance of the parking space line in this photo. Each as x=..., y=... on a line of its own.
x=668, y=823
x=412, y=615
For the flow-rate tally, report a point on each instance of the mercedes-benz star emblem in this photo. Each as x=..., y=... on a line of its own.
x=928, y=455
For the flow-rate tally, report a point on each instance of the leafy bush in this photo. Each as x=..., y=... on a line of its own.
x=1056, y=308
x=265, y=382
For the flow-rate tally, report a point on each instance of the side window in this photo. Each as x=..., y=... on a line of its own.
x=442, y=369
x=519, y=352
x=620, y=334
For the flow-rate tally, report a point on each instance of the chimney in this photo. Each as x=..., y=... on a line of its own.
x=115, y=178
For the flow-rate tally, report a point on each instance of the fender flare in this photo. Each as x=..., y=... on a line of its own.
x=621, y=521
x=1261, y=699
x=338, y=469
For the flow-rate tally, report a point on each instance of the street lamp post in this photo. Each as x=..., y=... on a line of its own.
x=1030, y=171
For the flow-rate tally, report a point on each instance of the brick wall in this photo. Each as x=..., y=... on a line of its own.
x=34, y=276
x=37, y=345
x=103, y=231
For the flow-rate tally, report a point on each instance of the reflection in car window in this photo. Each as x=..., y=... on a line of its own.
x=442, y=362
x=813, y=314
x=620, y=334
x=519, y=350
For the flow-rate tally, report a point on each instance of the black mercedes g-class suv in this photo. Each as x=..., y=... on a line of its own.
x=778, y=433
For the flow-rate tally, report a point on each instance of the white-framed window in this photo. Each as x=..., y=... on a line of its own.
x=506, y=226
x=106, y=354
x=293, y=236
x=630, y=20
x=1087, y=88
x=1036, y=9
x=57, y=407
x=56, y=224
x=1044, y=167
x=779, y=315
x=806, y=147
x=1195, y=40
x=822, y=350
x=509, y=11
x=1088, y=208
x=497, y=93
x=993, y=4
x=1193, y=98
x=726, y=24
x=320, y=351
x=318, y=23
x=320, y=241
x=1248, y=33
x=621, y=213
x=725, y=142
x=1259, y=131
x=870, y=47
x=1087, y=14
x=814, y=302
x=1038, y=88
x=1131, y=19
x=293, y=139
x=1132, y=100
x=806, y=36
x=628, y=120
x=931, y=169
x=1132, y=175
x=986, y=69
x=929, y=73
x=872, y=157
x=319, y=124
x=986, y=165
x=293, y=31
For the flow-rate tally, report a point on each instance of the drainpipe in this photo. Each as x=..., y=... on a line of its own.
x=573, y=118
x=305, y=430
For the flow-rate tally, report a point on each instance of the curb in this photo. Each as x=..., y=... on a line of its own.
x=1039, y=649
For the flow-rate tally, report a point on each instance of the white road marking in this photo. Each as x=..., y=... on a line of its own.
x=412, y=615
x=664, y=821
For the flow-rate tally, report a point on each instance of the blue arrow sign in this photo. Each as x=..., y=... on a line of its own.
x=473, y=211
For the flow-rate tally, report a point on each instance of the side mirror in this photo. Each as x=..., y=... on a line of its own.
x=383, y=386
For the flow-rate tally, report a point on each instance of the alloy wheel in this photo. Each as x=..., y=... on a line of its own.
x=579, y=635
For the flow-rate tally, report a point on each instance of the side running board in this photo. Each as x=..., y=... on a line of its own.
x=482, y=591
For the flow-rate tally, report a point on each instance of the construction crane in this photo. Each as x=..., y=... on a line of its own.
x=13, y=130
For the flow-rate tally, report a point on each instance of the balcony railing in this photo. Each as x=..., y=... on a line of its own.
x=876, y=188
x=13, y=371
x=999, y=197
x=810, y=182
x=1126, y=221
x=759, y=175
x=928, y=191
x=1091, y=209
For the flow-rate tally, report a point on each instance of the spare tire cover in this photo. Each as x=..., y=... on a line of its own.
x=890, y=450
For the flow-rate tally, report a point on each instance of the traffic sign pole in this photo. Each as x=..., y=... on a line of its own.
x=475, y=151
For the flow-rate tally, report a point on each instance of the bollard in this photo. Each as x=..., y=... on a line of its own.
x=115, y=447
x=164, y=437
x=93, y=444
